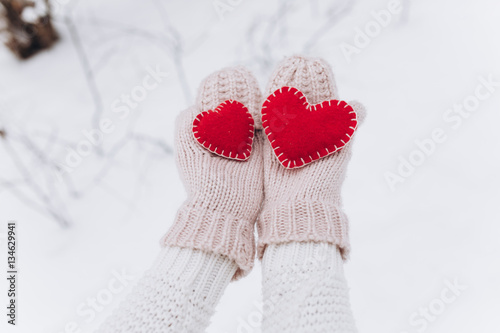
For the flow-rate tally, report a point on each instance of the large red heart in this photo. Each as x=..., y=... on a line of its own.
x=301, y=133
x=227, y=130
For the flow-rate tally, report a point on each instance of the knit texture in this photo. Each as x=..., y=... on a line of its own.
x=304, y=204
x=236, y=83
x=178, y=295
x=224, y=196
x=305, y=290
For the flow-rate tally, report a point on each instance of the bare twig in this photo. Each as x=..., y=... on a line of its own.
x=335, y=14
x=89, y=74
x=174, y=43
x=36, y=189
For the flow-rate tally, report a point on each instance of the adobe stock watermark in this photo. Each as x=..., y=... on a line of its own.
x=363, y=37
x=453, y=118
x=88, y=310
x=424, y=316
x=121, y=107
x=223, y=6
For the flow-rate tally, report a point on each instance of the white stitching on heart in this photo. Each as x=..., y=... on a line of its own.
x=245, y=154
x=309, y=107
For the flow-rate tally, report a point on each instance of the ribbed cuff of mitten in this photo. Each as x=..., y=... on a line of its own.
x=302, y=221
x=214, y=232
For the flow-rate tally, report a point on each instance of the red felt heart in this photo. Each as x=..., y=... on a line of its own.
x=301, y=133
x=226, y=131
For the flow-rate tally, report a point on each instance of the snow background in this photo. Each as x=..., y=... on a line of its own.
x=107, y=215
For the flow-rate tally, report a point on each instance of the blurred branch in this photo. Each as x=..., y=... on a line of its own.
x=37, y=187
x=89, y=74
x=30, y=182
x=267, y=44
x=174, y=43
x=334, y=15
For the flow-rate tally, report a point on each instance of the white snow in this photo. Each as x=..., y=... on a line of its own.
x=32, y=14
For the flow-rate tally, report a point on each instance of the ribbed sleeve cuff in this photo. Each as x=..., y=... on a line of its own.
x=214, y=232
x=303, y=221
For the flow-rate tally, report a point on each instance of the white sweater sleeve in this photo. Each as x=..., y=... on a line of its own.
x=305, y=290
x=178, y=294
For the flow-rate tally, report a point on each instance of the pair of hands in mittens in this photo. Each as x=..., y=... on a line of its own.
x=226, y=197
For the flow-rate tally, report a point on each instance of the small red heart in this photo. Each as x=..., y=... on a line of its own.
x=301, y=133
x=227, y=131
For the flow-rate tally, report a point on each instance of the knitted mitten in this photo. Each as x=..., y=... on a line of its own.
x=212, y=239
x=224, y=195
x=303, y=232
x=304, y=204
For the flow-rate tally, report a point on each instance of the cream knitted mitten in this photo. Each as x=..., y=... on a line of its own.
x=304, y=204
x=303, y=232
x=305, y=290
x=177, y=295
x=212, y=238
x=224, y=196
